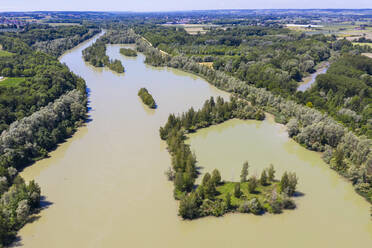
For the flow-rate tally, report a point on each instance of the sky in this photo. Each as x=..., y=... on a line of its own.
x=172, y=5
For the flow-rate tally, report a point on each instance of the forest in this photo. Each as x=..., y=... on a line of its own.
x=54, y=40
x=349, y=154
x=271, y=58
x=147, y=98
x=41, y=103
x=345, y=92
x=215, y=196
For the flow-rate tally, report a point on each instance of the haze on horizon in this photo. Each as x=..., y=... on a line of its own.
x=171, y=5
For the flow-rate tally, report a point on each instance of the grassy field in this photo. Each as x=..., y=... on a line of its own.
x=5, y=53
x=261, y=192
x=7, y=82
x=362, y=44
x=63, y=24
x=192, y=28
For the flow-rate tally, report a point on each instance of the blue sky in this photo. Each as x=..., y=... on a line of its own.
x=166, y=5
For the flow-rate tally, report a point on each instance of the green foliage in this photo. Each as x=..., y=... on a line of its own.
x=244, y=173
x=5, y=53
x=147, y=98
x=96, y=56
x=216, y=177
x=189, y=207
x=288, y=183
x=228, y=201
x=271, y=173
x=214, y=196
x=345, y=92
x=13, y=81
x=252, y=184
x=264, y=178
x=237, y=192
x=35, y=79
x=255, y=206
x=128, y=52
x=272, y=58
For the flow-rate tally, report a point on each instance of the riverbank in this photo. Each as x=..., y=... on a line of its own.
x=311, y=128
x=114, y=167
x=308, y=81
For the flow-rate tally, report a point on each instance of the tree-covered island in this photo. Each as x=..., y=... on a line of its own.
x=215, y=196
x=147, y=98
x=128, y=52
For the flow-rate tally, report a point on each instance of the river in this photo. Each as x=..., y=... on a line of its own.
x=105, y=186
x=310, y=80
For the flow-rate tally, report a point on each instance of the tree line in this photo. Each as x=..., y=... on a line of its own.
x=54, y=40
x=308, y=126
x=36, y=114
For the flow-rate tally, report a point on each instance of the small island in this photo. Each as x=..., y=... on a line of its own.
x=147, y=98
x=213, y=196
x=96, y=56
x=128, y=52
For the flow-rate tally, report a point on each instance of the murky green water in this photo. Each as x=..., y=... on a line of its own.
x=106, y=185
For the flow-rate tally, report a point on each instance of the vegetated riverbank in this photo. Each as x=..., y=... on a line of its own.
x=104, y=166
x=213, y=196
x=309, y=80
x=347, y=153
x=32, y=137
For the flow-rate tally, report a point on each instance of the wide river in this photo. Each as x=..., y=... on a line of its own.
x=105, y=187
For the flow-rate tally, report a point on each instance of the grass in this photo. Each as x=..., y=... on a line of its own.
x=261, y=192
x=14, y=81
x=362, y=44
x=5, y=53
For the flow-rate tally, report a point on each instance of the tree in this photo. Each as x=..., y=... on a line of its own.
x=255, y=206
x=284, y=182
x=271, y=173
x=237, y=192
x=178, y=181
x=292, y=183
x=244, y=173
x=189, y=207
x=252, y=184
x=206, y=178
x=210, y=190
x=264, y=178
x=170, y=174
x=216, y=177
x=228, y=200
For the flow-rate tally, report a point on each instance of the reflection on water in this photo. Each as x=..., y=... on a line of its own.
x=107, y=182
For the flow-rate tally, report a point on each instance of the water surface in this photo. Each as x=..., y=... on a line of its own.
x=106, y=185
x=310, y=80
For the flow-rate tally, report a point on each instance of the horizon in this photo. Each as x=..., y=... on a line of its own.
x=171, y=6
x=187, y=10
